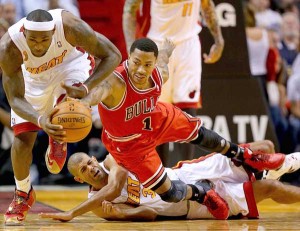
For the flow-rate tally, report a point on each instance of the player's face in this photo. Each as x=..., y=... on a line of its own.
x=38, y=41
x=141, y=65
x=90, y=172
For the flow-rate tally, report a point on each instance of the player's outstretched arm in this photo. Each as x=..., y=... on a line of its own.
x=125, y=212
x=129, y=21
x=79, y=34
x=116, y=180
x=209, y=14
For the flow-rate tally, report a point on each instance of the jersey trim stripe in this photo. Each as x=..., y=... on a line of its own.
x=201, y=158
x=122, y=139
x=156, y=178
x=160, y=76
x=25, y=127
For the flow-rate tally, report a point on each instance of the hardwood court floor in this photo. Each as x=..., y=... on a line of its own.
x=272, y=217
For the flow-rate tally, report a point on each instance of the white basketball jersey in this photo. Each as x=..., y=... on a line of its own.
x=59, y=54
x=177, y=20
x=134, y=193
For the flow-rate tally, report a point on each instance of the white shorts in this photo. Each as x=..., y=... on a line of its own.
x=184, y=83
x=228, y=179
x=43, y=92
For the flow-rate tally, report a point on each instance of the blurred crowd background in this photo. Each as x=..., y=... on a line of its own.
x=272, y=30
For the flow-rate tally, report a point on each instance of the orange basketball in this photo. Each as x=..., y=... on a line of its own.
x=75, y=118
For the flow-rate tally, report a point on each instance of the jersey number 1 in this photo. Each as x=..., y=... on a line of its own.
x=147, y=124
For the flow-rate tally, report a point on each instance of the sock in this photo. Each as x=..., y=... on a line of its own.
x=234, y=151
x=198, y=193
x=23, y=185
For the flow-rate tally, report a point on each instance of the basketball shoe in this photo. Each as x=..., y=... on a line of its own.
x=262, y=161
x=18, y=208
x=55, y=156
x=290, y=164
x=215, y=204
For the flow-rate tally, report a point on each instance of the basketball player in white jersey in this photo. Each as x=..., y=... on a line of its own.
x=133, y=202
x=36, y=55
x=178, y=21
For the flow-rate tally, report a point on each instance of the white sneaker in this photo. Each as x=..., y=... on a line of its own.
x=290, y=164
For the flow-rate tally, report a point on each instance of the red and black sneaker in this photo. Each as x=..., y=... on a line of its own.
x=18, y=208
x=263, y=161
x=215, y=204
x=55, y=156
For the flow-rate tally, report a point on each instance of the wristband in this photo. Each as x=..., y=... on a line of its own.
x=38, y=120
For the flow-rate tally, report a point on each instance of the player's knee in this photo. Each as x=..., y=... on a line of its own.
x=269, y=146
x=22, y=145
x=176, y=193
x=210, y=140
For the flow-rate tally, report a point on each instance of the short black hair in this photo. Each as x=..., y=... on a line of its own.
x=39, y=16
x=145, y=44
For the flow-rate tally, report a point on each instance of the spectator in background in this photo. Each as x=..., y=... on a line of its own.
x=9, y=12
x=18, y=5
x=266, y=17
x=293, y=92
x=288, y=46
x=69, y=5
x=265, y=65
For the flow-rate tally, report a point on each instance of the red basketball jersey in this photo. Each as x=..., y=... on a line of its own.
x=133, y=117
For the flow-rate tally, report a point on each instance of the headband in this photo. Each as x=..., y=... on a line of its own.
x=38, y=26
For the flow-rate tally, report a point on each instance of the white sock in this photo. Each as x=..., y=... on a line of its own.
x=23, y=185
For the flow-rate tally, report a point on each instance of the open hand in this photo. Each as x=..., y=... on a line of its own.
x=62, y=216
x=168, y=46
x=111, y=209
x=215, y=52
x=74, y=91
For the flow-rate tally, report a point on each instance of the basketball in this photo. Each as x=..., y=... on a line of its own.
x=75, y=118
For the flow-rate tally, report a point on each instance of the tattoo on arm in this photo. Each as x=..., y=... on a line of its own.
x=209, y=14
x=129, y=21
x=162, y=64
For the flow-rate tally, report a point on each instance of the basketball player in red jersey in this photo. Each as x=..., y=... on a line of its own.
x=134, y=123
x=178, y=21
x=36, y=54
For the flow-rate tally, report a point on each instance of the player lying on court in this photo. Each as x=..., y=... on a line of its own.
x=234, y=184
x=135, y=123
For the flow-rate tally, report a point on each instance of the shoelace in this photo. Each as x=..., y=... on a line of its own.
x=18, y=205
x=259, y=157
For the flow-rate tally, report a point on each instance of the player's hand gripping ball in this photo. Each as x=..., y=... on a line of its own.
x=76, y=119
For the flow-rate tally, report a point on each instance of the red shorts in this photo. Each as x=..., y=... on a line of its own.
x=139, y=155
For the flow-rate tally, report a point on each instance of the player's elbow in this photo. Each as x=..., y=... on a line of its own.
x=116, y=57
